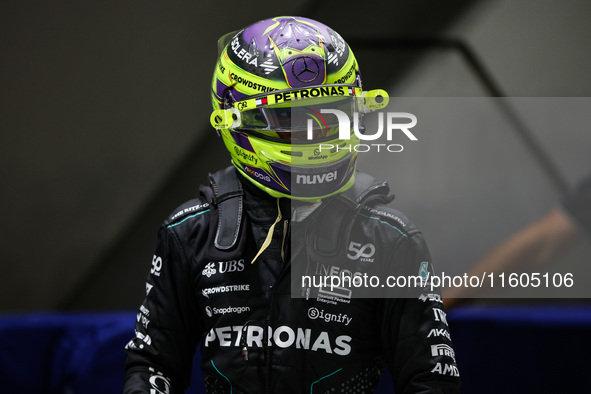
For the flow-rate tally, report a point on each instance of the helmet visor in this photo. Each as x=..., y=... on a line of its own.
x=307, y=119
x=300, y=115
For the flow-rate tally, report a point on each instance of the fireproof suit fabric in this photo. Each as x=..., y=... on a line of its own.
x=327, y=341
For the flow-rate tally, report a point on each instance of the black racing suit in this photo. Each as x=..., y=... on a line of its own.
x=255, y=337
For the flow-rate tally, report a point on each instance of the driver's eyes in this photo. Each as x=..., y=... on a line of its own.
x=284, y=114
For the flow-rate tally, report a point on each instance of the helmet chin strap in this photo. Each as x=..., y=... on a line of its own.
x=269, y=237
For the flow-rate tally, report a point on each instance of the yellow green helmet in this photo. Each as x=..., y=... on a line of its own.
x=271, y=84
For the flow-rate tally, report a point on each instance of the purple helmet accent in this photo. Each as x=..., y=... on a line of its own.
x=302, y=55
x=242, y=141
x=304, y=71
x=296, y=49
x=285, y=33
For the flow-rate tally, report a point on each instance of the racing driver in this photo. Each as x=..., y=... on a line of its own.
x=230, y=266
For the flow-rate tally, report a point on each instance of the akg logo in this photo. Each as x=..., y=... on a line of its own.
x=364, y=253
x=209, y=270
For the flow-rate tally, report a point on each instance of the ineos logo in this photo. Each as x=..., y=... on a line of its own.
x=305, y=69
x=365, y=252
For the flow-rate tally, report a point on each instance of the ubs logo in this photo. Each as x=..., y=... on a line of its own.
x=209, y=270
x=231, y=266
x=221, y=267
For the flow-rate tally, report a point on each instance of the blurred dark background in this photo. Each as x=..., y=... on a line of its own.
x=104, y=130
x=104, y=126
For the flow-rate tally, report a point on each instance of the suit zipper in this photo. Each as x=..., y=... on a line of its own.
x=285, y=231
x=266, y=339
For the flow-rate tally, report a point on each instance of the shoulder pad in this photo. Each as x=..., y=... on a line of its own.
x=334, y=220
x=226, y=195
x=389, y=216
x=188, y=210
x=367, y=189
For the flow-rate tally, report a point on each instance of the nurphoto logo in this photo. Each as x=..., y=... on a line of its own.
x=392, y=123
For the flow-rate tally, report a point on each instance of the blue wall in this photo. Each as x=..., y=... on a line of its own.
x=499, y=350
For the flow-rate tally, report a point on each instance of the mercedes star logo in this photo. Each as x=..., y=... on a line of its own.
x=305, y=69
